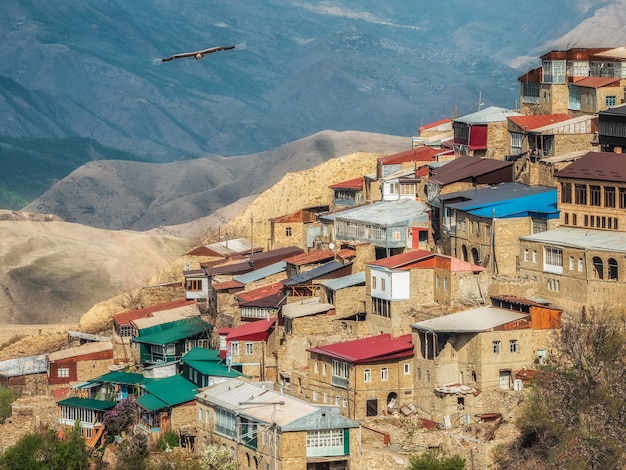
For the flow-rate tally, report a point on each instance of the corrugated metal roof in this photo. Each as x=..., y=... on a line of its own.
x=234, y=246
x=171, y=391
x=464, y=168
x=345, y=281
x=252, y=329
x=265, y=296
x=231, y=267
x=600, y=166
x=597, y=82
x=446, y=122
x=615, y=53
x=598, y=240
x=279, y=254
x=174, y=331
x=120, y=377
x=619, y=110
x=385, y=213
x=24, y=366
x=208, y=362
x=227, y=285
x=401, y=259
x=533, y=121
x=262, y=273
x=487, y=115
x=356, y=183
x=87, y=336
x=370, y=349
x=423, y=154
x=88, y=403
x=268, y=406
x=304, y=308
x=124, y=318
x=311, y=257
x=470, y=321
x=160, y=317
x=314, y=273
x=82, y=350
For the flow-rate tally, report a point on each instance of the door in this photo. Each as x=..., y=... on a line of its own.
x=504, y=378
x=372, y=407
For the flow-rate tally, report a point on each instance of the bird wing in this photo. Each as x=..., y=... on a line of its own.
x=179, y=56
x=215, y=49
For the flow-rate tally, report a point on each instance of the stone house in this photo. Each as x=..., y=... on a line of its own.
x=395, y=286
x=307, y=284
x=461, y=357
x=346, y=294
x=249, y=348
x=78, y=364
x=265, y=429
x=348, y=193
x=261, y=303
x=25, y=376
x=437, y=134
x=555, y=87
x=483, y=225
x=483, y=133
x=461, y=174
x=293, y=229
x=577, y=269
x=369, y=376
x=390, y=226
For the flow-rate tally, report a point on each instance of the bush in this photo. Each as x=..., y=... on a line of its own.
x=132, y=453
x=436, y=460
x=7, y=397
x=168, y=440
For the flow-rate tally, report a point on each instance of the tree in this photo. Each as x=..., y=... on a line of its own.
x=132, y=453
x=7, y=397
x=120, y=418
x=218, y=458
x=436, y=460
x=575, y=413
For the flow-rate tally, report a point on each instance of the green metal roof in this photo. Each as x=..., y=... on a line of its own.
x=170, y=391
x=208, y=362
x=201, y=354
x=120, y=377
x=181, y=329
x=151, y=403
x=89, y=403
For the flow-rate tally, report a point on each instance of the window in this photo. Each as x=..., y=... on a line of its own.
x=516, y=143
x=193, y=285
x=437, y=281
x=566, y=193
x=325, y=397
x=407, y=368
x=539, y=225
x=340, y=373
x=622, y=198
x=445, y=283
x=571, y=263
x=553, y=260
x=373, y=282
x=513, y=346
x=496, y=347
x=324, y=438
x=314, y=395
x=323, y=368
x=249, y=349
x=384, y=374
x=598, y=267
x=609, y=196
x=337, y=400
x=566, y=218
x=367, y=375
x=595, y=195
x=526, y=255
x=382, y=284
x=534, y=256
x=611, y=100
x=381, y=307
x=63, y=372
x=613, y=269
x=419, y=373
x=288, y=232
x=316, y=367
x=234, y=348
x=580, y=264
x=199, y=414
x=581, y=194
x=345, y=403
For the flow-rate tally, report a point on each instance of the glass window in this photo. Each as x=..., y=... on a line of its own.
x=609, y=196
x=611, y=100
x=595, y=195
x=367, y=375
x=407, y=368
x=384, y=374
x=496, y=347
x=513, y=346
x=581, y=194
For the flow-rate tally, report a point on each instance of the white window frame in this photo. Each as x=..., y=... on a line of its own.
x=384, y=374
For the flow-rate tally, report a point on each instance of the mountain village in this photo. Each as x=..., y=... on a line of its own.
x=427, y=293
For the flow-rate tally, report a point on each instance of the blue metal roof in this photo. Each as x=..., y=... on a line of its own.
x=346, y=281
x=262, y=273
x=507, y=201
x=315, y=272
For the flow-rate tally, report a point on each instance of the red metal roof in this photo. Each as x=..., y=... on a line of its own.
x=203, y=251
x=310, y=257
x=356, y=183
x=260, y=293
x=434, y=124
x=374, y=348
x=346, y=253
x=420, y=154
x=124, y=318
x=400, y=260
x=537, y=120
x=227, y=285
x=254, y=331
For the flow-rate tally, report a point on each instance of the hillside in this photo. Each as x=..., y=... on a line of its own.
x=53, y=271
x=142, y=196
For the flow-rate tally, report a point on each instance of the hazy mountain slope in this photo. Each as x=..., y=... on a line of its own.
x=31, y=166
x=53, y=271
x=141, y=196
x=85, y=69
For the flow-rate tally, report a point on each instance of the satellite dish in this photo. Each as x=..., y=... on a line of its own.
x=331, y=246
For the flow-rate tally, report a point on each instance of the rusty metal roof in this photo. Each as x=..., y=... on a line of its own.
x=466, y=167
x=124, y=318
x=597, y=82
x=418, y=154
x=537, y=120
x=311, y=257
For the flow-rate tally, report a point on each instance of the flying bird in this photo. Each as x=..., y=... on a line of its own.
x=200, y=54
